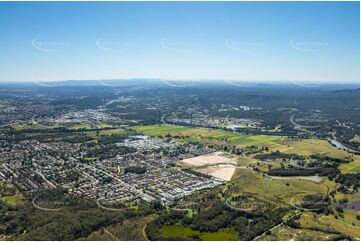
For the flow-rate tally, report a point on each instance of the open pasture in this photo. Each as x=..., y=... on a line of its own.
x=350, y=167
x=204, y=135
x=347, y=225
x=279, y=191
x=284, y=233
x=283, y=144
x=311, y=146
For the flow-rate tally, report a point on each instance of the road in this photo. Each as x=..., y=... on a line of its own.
x=300, y=125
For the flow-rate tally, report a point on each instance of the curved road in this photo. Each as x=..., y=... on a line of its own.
x=106, y=208
x=300, y=125
x=45, y=209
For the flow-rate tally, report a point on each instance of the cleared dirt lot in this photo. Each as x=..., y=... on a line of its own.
x=224, y=172
x=206, y=160
x=212, y=164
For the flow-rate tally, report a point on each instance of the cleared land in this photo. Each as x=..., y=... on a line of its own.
x=209, y=159
x=212, y=164
x=224, y=172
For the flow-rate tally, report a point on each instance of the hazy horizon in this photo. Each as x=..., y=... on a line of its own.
x=258, y=41
x=247, y=82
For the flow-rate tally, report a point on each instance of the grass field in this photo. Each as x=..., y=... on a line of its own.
x=182, y=232
x=99, y=235
x=278, y=191
x=87, y=126
x=348, y=225
x=350, y=167
x=71, y=126
x=191, y=213
x=282, y=191
x=130, y=230
x=203, y=135
x=95, y=134
x=349, y=197
x=284, y=233
x=312, y=146
x=13, y=201
x=283, y=144
x=30, y=126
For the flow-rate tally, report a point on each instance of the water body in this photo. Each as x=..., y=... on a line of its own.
x=341, y=146
x=353, y=205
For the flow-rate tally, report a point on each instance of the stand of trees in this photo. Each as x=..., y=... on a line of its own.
x=348, y=182
x=135, y=169
x=331, y=173
x=79, y=218
x=215, y=218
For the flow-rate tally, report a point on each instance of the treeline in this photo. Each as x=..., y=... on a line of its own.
x=78, y=218
x=331, y=173
x=213, y=219
x=279, y=155
x=71, y=137
x=111, y=139
x=328, y=158
x=318, y=157
x=348, y=182
x=108, y=151
x=87, y=102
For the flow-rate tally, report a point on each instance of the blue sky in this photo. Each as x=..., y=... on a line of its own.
x=267, y=41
